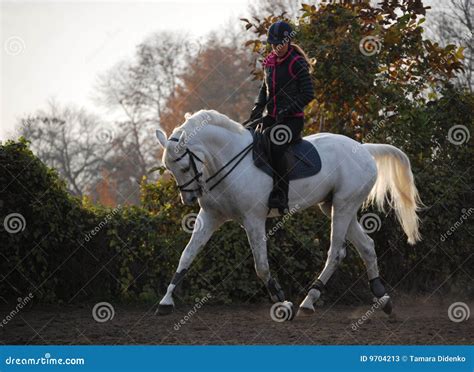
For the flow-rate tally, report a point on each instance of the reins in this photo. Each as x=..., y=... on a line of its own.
x=197, y=175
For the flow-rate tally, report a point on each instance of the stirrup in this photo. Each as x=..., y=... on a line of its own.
x=283, y=210
x=278, y=203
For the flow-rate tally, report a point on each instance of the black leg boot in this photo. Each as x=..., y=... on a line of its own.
x=279, y=196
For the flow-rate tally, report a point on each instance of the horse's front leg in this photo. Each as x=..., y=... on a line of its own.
x=205, y=225
x=256, y=234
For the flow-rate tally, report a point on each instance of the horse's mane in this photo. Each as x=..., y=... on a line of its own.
x=209, y=117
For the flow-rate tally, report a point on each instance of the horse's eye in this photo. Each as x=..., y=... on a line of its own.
x=184, y=170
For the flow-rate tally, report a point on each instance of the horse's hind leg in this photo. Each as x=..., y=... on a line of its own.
x=365, y=246
x=341, y=219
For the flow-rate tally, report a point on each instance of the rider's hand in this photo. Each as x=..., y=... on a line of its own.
x=259, y=128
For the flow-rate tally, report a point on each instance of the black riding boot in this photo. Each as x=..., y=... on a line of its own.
x=279, y=195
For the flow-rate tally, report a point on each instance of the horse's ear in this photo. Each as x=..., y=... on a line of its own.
x=162, y=138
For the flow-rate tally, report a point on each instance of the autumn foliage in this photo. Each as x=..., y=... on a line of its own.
x=368, y=61
x=217, y=78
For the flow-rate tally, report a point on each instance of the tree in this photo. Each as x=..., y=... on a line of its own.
x=137, y=91
x=70, y=140
x=219, y=78
x=368, y=61
x=455, y=25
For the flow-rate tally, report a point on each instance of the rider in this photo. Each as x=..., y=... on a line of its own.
x=286, y=89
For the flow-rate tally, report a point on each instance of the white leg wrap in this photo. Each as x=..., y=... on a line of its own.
x=310, y=299
x=168, y=297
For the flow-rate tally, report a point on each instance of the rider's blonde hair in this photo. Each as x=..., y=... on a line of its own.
x=301, y=52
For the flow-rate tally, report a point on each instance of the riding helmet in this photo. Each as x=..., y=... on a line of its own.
x=279, y=32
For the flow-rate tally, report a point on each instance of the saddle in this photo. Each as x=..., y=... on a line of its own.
x=303, y=159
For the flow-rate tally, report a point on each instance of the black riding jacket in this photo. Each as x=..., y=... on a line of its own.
x=287, y=85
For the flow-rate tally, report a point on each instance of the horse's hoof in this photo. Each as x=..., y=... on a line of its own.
x=384, y=303
x=393, y=318
x=387, y=309
x=304, y=312
x=164, y=309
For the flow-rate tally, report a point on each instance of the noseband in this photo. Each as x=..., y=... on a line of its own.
x=197, y=175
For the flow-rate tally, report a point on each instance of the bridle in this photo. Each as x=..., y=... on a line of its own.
x=197, y=175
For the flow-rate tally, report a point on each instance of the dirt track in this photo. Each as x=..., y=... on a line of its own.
x=416, y=322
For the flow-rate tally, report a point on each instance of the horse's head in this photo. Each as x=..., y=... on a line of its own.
x=185, y=164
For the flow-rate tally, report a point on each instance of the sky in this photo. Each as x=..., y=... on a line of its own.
x=56, y=50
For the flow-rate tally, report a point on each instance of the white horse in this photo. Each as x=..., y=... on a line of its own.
x=351, y=174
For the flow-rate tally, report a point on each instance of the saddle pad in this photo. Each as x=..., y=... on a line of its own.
x=303, y=158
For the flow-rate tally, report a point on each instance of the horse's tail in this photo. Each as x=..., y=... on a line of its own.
x=396, y=186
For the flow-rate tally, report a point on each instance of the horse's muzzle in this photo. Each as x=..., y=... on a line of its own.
x=189, y=199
